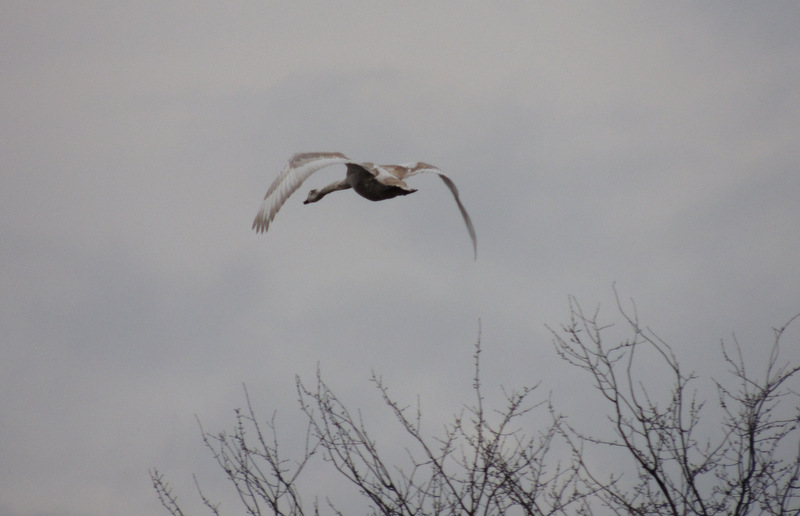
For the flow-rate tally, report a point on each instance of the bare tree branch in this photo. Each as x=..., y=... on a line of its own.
x=742, y=471
x=491, y=461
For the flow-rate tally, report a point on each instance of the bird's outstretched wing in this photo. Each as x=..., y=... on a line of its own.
x=297, y=170
x=407, y=170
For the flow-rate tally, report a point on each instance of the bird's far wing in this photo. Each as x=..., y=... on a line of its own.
x=411, y=169
x=297, y=170
x=467, y=221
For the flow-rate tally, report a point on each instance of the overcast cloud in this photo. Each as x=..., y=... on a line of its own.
x=653, y=145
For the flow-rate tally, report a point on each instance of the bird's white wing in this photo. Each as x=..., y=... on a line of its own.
x=411, y=169
x=297, y=170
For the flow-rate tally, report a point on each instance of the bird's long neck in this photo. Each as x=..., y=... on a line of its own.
x=336, y=185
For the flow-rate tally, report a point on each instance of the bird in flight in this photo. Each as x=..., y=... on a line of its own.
x=374, y=182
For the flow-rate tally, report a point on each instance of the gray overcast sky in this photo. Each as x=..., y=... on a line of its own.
x=655, y=145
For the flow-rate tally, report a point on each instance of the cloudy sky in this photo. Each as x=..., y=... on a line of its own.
x=652, y=146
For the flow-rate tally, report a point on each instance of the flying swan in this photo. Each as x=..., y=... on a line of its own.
x=374, y=182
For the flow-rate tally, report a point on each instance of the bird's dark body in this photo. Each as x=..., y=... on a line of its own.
x=365, y=185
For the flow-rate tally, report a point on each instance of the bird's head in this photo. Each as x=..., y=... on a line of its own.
x=313, y=196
